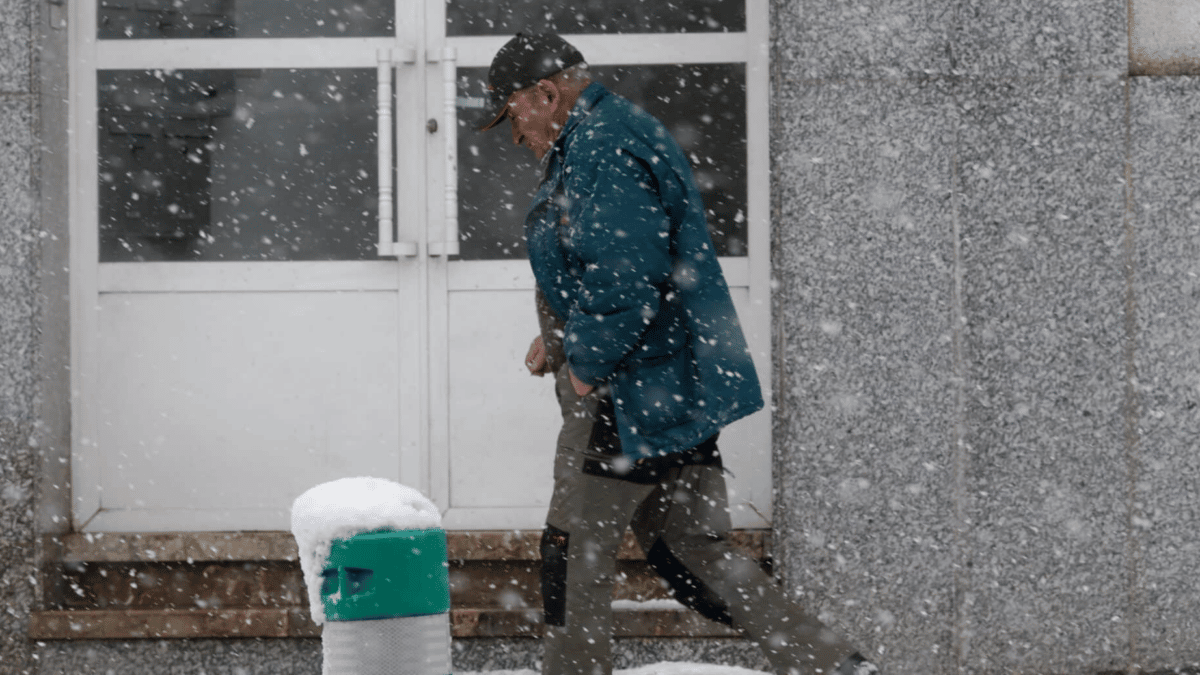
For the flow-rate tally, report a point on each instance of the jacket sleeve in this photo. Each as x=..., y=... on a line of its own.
x=621, y=238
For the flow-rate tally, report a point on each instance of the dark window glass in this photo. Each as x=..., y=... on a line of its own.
x=161, y=19
x=237, y=165
x=703, y=106
x=506, y=17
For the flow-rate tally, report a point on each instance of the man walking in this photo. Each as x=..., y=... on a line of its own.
x=650, y=361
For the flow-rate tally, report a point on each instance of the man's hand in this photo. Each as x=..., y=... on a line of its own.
x=535, y=361
x=579, y=387
x=535, y=358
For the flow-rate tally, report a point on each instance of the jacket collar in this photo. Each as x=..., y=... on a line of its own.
x=588, y=98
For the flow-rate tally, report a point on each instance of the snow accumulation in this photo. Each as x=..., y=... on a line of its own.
x=662, y=603
x=343, y=508
x=656, y=669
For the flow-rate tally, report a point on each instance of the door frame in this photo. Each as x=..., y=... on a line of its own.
x=423, y=455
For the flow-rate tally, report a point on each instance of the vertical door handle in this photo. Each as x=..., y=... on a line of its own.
x=387, y=246
x=449, y=244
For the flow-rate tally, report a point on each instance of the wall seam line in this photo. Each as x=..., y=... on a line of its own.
x=1132, y=406
x=778, y=295
x=958, y=451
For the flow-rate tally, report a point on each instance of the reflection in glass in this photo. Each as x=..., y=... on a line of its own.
x=237, y=164
x=703, y=106
x=506, y=17
x=163, y=19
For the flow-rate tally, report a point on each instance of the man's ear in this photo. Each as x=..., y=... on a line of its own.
x=550, y=91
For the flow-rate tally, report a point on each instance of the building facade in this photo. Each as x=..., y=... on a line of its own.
x=242, y=254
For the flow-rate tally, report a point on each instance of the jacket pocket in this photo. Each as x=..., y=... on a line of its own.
x=657, y=394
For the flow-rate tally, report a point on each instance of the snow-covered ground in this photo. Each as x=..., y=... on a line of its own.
x=656, y=669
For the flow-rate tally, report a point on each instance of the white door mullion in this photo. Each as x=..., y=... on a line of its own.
x=242, y=53
x=515, y=274
x=411, y=215
x=433, y=229
x=756, y=490
x=495, y=518
x=230, y=277
x=622, y=49
x=86, y=462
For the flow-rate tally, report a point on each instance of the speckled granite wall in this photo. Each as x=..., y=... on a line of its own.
x=303, y=657
x=1165, y=143
x=1044, y=291
x=482, y=655
x=212, y=657
x=986, y=363
x=18, y=337
x=866, y=408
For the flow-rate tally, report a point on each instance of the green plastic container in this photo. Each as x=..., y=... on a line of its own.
x=381, y=575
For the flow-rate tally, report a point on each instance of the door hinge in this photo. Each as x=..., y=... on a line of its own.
x=57, y=14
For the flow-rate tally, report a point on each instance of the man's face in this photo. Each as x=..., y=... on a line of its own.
x=532, y=114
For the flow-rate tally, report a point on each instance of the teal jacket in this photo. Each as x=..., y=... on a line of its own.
x=620, y=248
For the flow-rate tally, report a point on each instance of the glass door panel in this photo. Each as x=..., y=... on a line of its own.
x=703, y=106
x=237, y=165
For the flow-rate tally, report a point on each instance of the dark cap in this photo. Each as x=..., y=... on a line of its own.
x=522, y=62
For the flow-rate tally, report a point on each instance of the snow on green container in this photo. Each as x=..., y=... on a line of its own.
x=374, y=560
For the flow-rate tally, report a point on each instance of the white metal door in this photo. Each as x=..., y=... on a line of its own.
x=294, y=259
x=243, y=325
x=699, y=66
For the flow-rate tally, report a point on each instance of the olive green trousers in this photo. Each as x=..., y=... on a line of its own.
x=681, y=520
